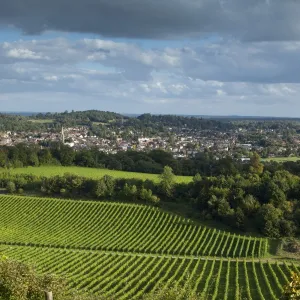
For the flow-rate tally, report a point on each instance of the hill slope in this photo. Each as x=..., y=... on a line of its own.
x=126, y=250
x=130, y=276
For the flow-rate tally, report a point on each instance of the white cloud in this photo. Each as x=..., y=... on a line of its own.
x=23, y=54
x=51, y=78
x=208, y=78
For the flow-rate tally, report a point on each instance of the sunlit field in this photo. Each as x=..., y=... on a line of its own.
x=89, y=172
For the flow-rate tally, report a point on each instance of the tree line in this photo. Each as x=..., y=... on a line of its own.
x=205, y=163
x=23, y=155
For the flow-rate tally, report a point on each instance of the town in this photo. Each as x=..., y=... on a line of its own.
x=236, y=140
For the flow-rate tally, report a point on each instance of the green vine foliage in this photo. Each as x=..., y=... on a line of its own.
x=292, y=290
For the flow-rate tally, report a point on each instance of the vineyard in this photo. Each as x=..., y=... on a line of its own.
x=127, y=250
x=49, y=171
x=115, y=227
x=130, y=276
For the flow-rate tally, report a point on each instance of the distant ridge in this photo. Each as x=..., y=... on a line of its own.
x=20, y=113
x=231, y=117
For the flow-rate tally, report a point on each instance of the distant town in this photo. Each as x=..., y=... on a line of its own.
x=234, y=138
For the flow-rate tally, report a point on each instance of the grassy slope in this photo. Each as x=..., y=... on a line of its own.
x=89, y=172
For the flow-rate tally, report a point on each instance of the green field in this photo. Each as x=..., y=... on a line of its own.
x=41, y=121
x=128, y=249
x=89, y=172
x=281, y=159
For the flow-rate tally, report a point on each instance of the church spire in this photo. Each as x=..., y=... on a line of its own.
x=62, y=135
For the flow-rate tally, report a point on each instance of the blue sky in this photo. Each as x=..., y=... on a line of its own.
x=215, y=57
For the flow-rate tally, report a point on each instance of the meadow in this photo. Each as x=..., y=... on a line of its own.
x=90, y=173
x=281, y=159
x=41, y=121
x=126, y=250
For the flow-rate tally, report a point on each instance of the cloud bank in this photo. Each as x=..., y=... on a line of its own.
x=255, y=20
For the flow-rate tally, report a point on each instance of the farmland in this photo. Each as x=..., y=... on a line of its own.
x=126, y=250
x=128, y=276
x=42, y=121
x=116, y=227
x=281, y=159
x=90, y=173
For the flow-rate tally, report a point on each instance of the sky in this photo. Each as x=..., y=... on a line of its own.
x=196, y=57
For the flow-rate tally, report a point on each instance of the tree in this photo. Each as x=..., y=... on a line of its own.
x=33, y=159
x=269, y=219
x=11, y=187
x=129, y=192
x=287, y=228
x=147, y=196
x=45, y=157
x=220, y=208
x=255, y=164
x=167, y=181
x=22, y=282
x=197, y=178
x=67, y=155
x=239, y=218
x=110, y=185
x=3, y=158
x=100, y=188
x=249, y=205
x=20, y=181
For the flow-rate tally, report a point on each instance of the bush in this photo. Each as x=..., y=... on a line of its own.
x=11, y=187
x=292, y=290
x=20, y=191
x=129, y=192
x=63, y=191
x=19, y=281
x=147, y=196
x=291, y=245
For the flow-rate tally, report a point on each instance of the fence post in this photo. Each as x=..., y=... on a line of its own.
x=48, y=296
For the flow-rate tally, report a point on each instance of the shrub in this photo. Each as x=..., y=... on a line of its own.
x=292, y=290
x=20, y=191
x=11, y=187
x=19, y=281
